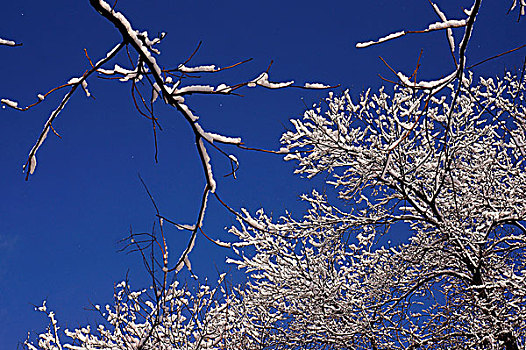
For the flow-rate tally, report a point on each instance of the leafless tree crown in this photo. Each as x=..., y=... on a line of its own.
x=443, y=159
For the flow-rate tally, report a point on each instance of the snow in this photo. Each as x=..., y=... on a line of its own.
x=7, y=42
x=185, y=69
x=188, y=112
x=449, y=32
x=133, y=35
x=85, y=87
x=42, y=308
x=73, y=81
x=452, y=23
x=223, y=88
x=10, y=103
x=32, y=164
x=187, y=263
x=232, y=261
x=82, y=81
x=186, y=227
x=381, y=40
x=225, y=139
x=222, y=244
x=426, y=84
x=367, y=283
x=127, y=74
x=262, y=80
x=208, y=167
x=194, y=89
x=33, y=160
x=156, y=89
x=444, y=24
x=251, y=221
x=316, y=86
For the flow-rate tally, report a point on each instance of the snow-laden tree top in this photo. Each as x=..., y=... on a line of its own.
x=423, y=248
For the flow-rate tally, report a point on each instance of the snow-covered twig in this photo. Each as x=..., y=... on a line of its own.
x=32, y=160
x=7, y=42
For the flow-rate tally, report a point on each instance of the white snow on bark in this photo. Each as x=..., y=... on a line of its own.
x=381, y=40
x=262, y=80
x=10, y=103
x=7, y=42
x=433, y=84
x=449, y=31
x=185, y=69
x=316, y=86
x=452, y=23
x=208, y=167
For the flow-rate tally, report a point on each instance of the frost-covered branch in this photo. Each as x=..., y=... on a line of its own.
x=447, y=25
x=74, y=83
x=6, y=42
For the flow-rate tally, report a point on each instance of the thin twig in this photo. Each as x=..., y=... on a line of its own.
x=496, y=56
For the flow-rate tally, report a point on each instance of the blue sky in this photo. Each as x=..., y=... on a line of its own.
x=59, y=231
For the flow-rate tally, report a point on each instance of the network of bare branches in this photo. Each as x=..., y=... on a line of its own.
x=442, y=159
x=162, y=84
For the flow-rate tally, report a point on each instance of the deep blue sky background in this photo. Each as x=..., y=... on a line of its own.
x=59, y=231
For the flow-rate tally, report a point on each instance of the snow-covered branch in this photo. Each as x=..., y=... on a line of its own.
x=6, y=42
x=445, y=24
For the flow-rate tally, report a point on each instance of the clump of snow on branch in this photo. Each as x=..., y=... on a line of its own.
x=381, y=40
x=198, y=69
x=10, y=103
x=7, y=42
x=262, y=80
x=316, y=86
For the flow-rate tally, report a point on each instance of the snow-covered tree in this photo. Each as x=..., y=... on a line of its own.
x=453, y=174
x=423, y=248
